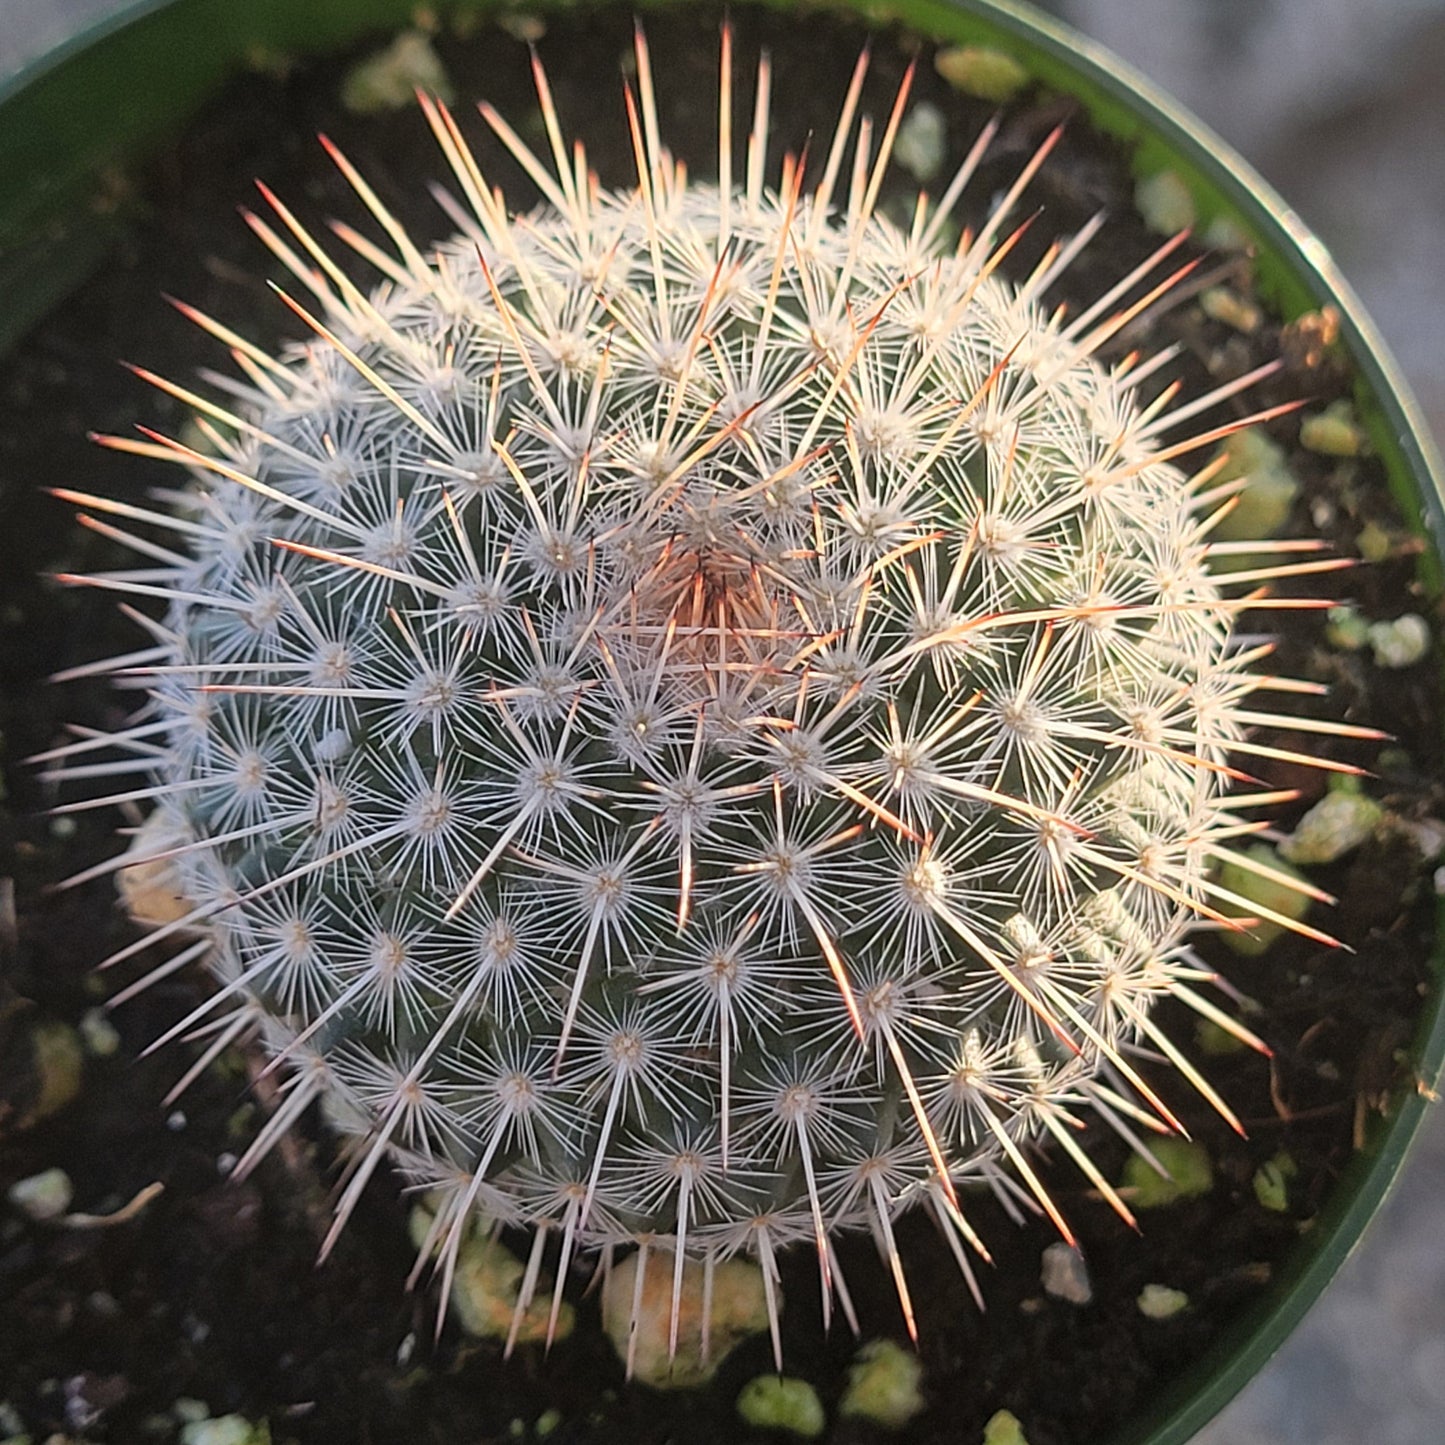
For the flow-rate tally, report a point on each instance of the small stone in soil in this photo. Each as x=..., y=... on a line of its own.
x=484, y=1295
x=1373, y=542
x=1226, y=234
x=1346, y=629
x=922, y=142
x=979, y=71
x=226, y=1430
x=485, y=1286
x=391, y=78
x=150, y=887
x=1334, y=432
x=102, y=1305
x=1065, y=1275
x=48, y=1059
x=883, y=1385
x=100, y=1036
x=1257, y=891
x=1188, y=1174
x=1427, y=835
x=1265, y=502
x=778, y=1402
x=1003, y=1428
x=1220, y=303
x=1401, y=643
x=42, y=1196
x=1159, y=1302
x=1164, y=202
x=738, y=1308
x=1271, y=1182
x=1336, y=825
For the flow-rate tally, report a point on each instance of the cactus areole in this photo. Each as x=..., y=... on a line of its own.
x=695, y=717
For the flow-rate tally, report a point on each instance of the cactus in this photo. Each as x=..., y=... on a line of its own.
x=694, y=717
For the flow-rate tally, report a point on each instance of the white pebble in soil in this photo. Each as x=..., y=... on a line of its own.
x=42, y=1196
x=1065, y=1276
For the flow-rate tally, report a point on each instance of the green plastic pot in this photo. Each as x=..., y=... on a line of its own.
x=116, y=92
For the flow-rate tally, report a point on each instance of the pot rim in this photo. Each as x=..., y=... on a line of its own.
x=1295, y=266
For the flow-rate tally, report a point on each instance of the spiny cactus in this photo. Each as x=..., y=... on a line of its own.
x=694, y=717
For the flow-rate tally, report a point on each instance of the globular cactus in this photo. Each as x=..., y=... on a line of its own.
x=695, y=716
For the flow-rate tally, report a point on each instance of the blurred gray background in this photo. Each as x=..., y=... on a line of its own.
x=1341, y=105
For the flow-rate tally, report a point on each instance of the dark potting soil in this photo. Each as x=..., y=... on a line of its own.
x=211, y=1290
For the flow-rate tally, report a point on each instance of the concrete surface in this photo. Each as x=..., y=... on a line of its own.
x=1340, y=104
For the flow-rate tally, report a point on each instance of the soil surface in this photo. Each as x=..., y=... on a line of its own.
x=209, y=1290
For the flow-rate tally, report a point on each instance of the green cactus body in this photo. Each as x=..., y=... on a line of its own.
x=689, y=716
